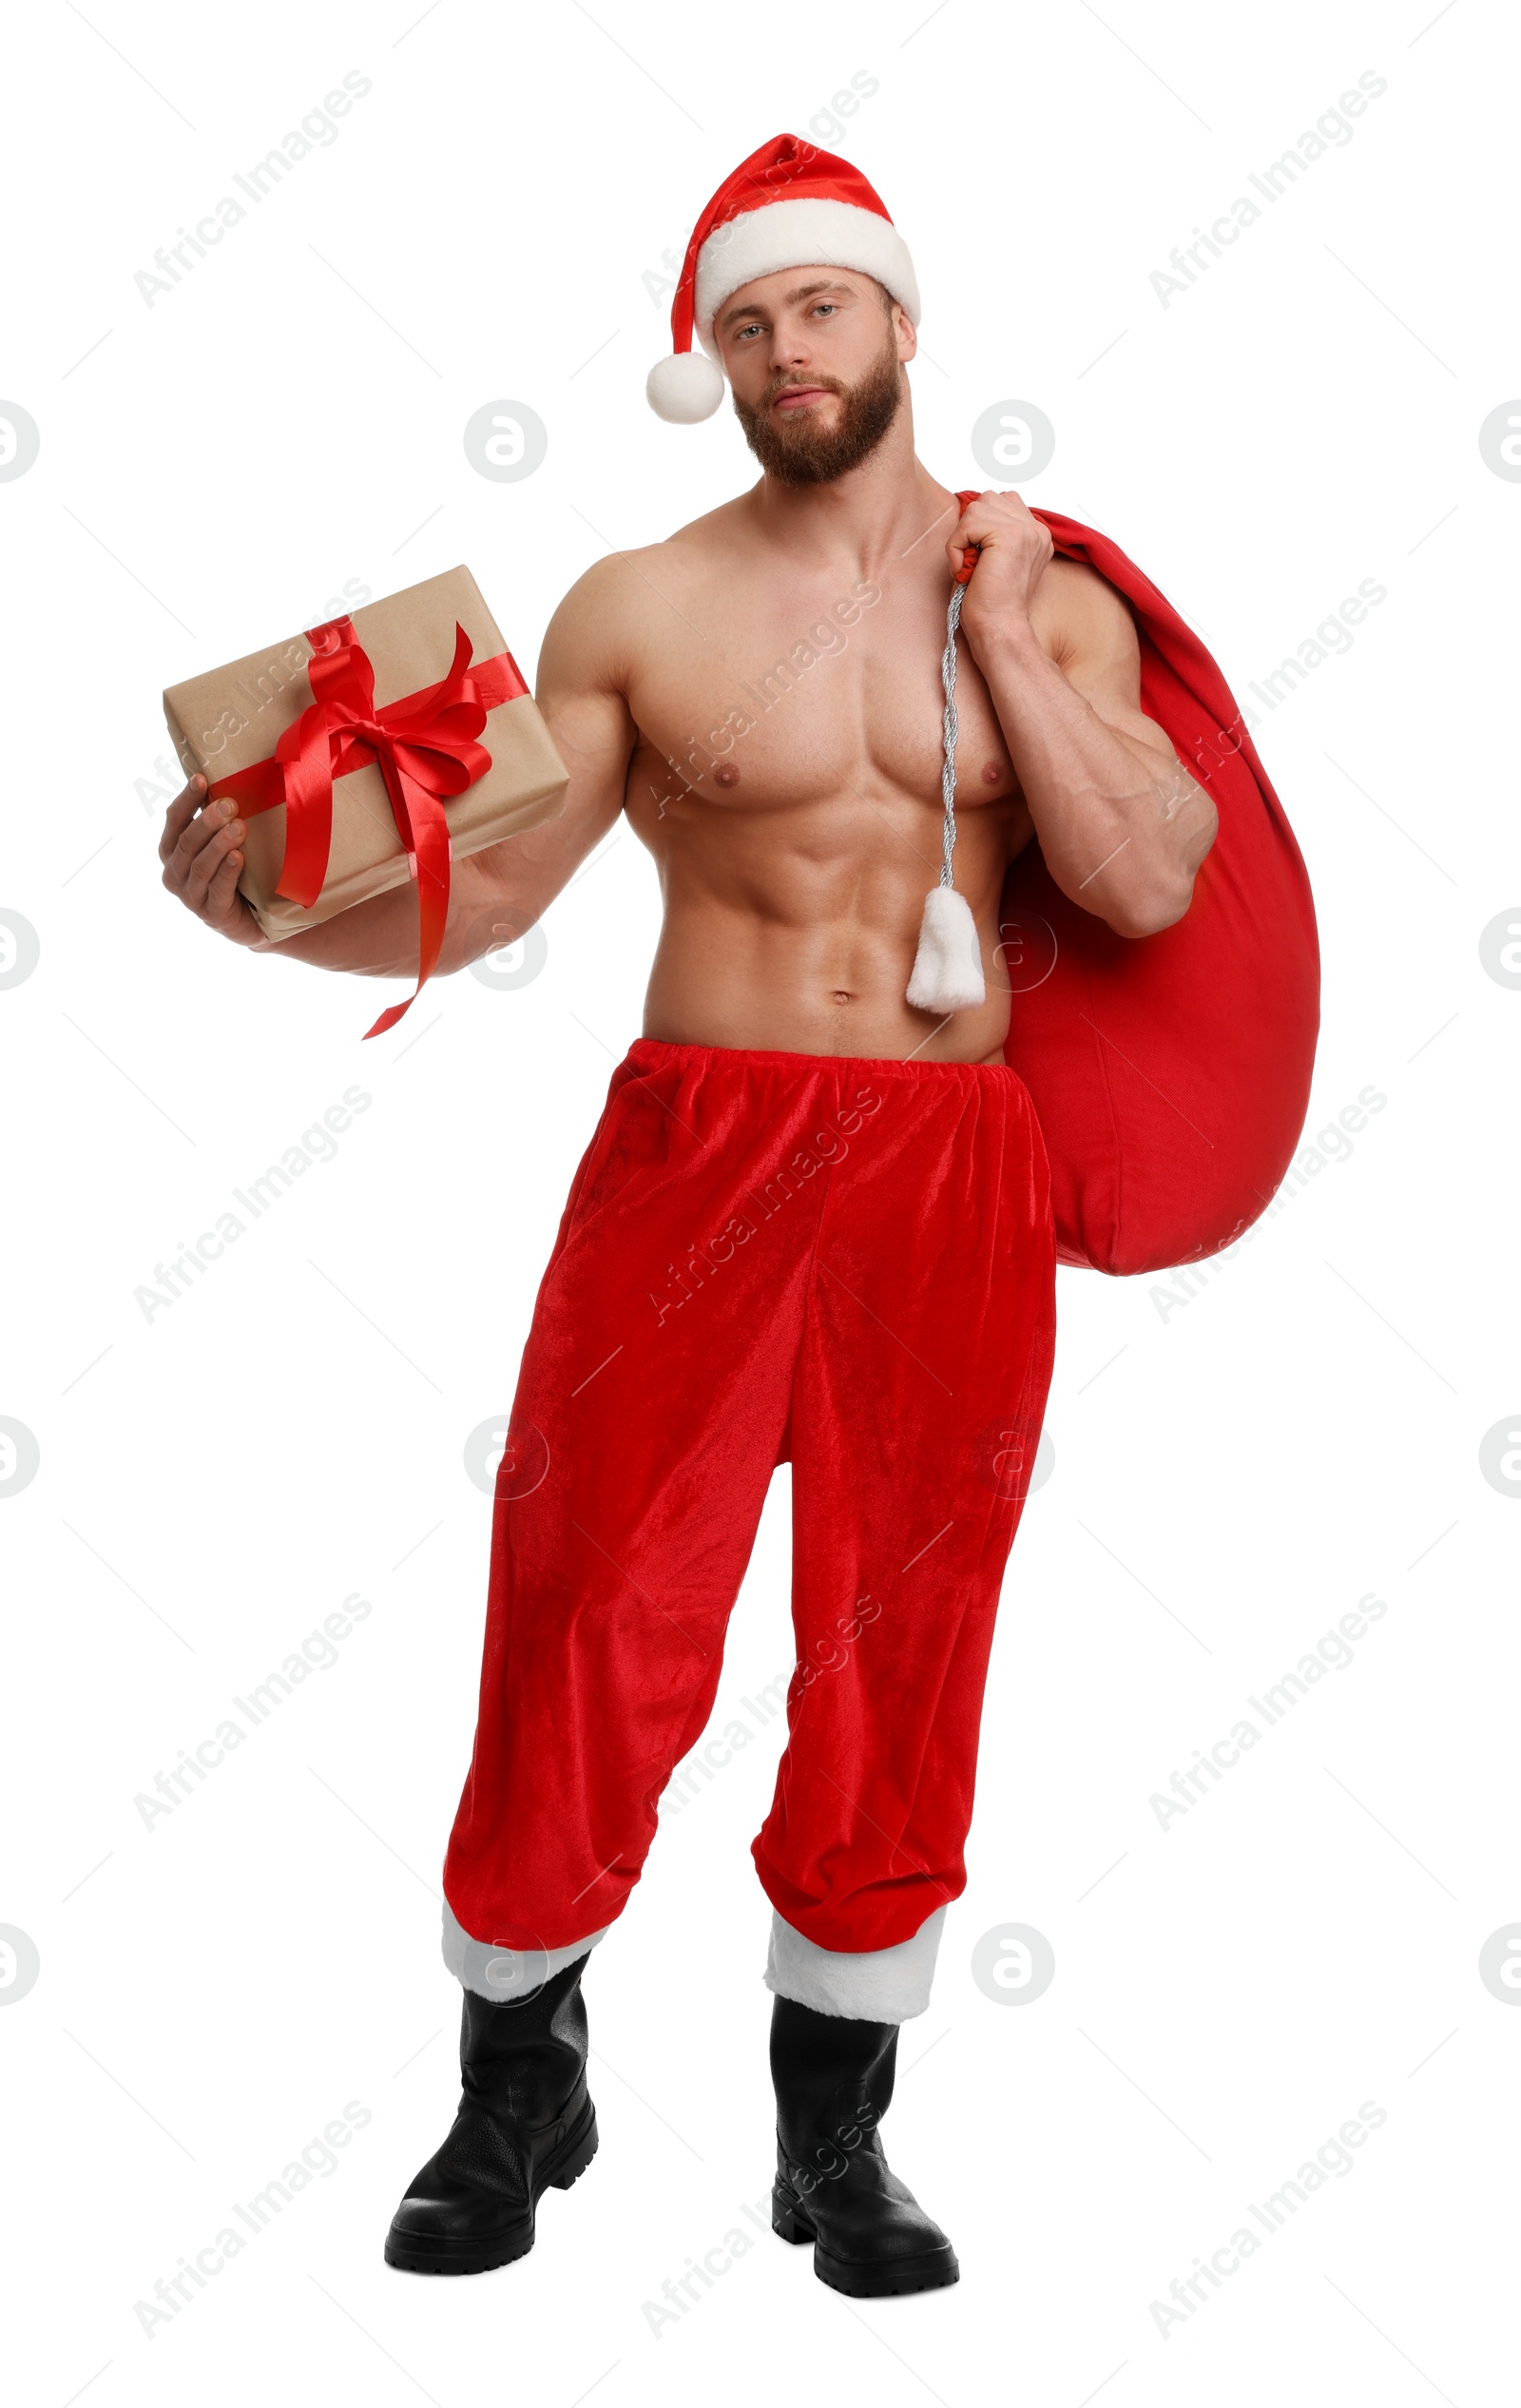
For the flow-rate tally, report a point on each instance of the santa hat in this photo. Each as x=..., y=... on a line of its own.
x=788, y=206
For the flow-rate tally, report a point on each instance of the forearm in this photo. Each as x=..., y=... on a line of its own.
x=1122, y=826
x=379, y=939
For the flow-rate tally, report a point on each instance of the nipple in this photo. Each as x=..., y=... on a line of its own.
x=725, y=775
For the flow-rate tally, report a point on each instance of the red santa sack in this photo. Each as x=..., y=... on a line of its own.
x=1170, y=1073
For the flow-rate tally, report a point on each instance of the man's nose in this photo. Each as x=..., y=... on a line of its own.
x=789, y=346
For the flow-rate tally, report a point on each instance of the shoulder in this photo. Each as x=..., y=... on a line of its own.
x=1077, y=615
x=605, y=619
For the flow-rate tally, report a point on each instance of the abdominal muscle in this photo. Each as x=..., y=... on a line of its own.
x=771, y=989
x=784, y=931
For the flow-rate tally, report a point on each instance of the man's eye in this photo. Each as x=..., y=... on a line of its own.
x=743, y=331
x=825, y=309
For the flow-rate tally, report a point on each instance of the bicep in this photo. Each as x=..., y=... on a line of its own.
x=1099, y=653
x=582, y=691
x=579, y=692
x=594, y=736
x=587, y=719
x=1092, y=638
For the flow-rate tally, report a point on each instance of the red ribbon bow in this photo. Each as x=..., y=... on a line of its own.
x=424, y=746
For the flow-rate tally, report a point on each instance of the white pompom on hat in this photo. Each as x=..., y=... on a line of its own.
x=788, y=206
x=685, y=387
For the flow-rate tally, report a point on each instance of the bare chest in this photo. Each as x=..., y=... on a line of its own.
x=767, y=698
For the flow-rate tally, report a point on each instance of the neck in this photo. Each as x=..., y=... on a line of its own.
x=870, y=518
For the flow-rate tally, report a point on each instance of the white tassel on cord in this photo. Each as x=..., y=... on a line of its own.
x=948, y=966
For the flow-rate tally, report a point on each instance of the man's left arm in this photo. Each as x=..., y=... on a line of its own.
x=1121, y=825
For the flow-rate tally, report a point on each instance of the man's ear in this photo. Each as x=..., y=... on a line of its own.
x=908, y=342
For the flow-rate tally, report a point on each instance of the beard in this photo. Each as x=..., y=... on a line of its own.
x=795, y=450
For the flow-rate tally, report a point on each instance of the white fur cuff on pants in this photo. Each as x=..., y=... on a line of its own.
x=880, y=1985
x=506, y=1973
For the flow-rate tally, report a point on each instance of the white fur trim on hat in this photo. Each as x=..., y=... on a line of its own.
x=684, y=388
x=799, y=234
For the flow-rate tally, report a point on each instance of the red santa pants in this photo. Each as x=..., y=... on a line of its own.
x=848, y=1262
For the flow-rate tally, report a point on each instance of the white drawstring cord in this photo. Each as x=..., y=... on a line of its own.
x=948, y=774
x=948, y=966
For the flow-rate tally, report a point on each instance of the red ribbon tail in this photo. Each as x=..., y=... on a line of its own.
x=388, y=1019
x=424, y=830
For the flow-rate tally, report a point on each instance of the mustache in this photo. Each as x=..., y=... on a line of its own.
x=797, y=384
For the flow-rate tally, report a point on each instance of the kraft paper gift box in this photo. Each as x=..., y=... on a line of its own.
x=470, y=743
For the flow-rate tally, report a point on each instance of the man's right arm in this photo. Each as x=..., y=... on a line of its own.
x=496, y=895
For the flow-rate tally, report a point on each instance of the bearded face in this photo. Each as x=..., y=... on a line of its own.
x=802, y=447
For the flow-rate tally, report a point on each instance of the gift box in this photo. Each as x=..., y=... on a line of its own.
x=369, y=750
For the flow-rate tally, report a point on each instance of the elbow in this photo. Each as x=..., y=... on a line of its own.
x=1164, y=898
x=1148, y=915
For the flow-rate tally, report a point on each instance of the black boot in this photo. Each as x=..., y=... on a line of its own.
x=834, y=2084
x=525, y=2123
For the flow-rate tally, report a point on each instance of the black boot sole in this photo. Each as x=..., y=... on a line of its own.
x=414, y=2253
x=854, y=2276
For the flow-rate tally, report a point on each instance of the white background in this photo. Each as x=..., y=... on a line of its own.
x=1232, y=1474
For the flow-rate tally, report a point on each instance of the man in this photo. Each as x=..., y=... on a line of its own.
x=813, y=1223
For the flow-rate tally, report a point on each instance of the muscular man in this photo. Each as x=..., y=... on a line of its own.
x=813, y=1223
